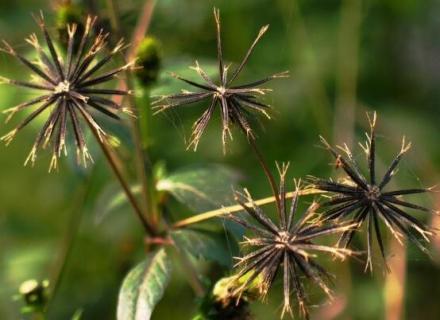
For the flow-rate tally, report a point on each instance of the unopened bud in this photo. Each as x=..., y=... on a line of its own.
x=148, y=57
x=34, y=293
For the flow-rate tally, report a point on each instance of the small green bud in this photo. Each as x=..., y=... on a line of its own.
x=28, y=287
x=225, y=289
x=149, y=59
x=226, y=301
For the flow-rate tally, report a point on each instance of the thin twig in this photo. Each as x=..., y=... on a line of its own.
x=236, y=208
x=113, y=10
x=141, y=28
x=267, y=172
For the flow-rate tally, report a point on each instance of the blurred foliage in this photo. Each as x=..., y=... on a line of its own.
x=398, y=74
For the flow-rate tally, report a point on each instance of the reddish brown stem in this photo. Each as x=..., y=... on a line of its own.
x=267, y=172
x=133, y=202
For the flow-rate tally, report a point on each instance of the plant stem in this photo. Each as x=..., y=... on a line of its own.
x=140, y=31
x=141, y=28
x=141, y=160
x=236, y=208
x=267, y=172
x=394, y=290
x=110, y=156
x=113, y=10
x=348, y=65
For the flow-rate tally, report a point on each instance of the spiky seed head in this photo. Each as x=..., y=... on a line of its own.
x=289, y=246
x=238, y=104
x=70, y=88
x=364, y=199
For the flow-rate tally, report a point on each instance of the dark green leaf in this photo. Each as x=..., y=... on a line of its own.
x=77, y=315
x=111, y=200
x=202, y=188
x=209, y=245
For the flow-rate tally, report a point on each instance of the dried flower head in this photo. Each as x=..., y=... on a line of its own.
x=237, y=103
x=364, y=199
x=68, y=89
x=288, y=246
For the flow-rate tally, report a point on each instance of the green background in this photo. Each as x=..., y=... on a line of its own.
x=342, y=55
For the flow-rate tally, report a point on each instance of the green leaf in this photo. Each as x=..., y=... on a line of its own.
x=143, y=287
x=112, y=199
x=205, y=244
x=202, y=188
x=77, y=315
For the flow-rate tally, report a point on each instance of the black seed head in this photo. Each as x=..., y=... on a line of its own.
x=237, y=104
x=365, y=198
x=70, y=88
x=288, y=245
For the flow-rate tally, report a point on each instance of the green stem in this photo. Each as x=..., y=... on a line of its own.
x=140, y=154
x=235, y=208
x=139, y=33
x=141, y=161
x=113, y=14
x=348, y=65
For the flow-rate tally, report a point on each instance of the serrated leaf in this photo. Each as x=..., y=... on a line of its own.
x=143, y=287
x=205, y=244
x=202, y=188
